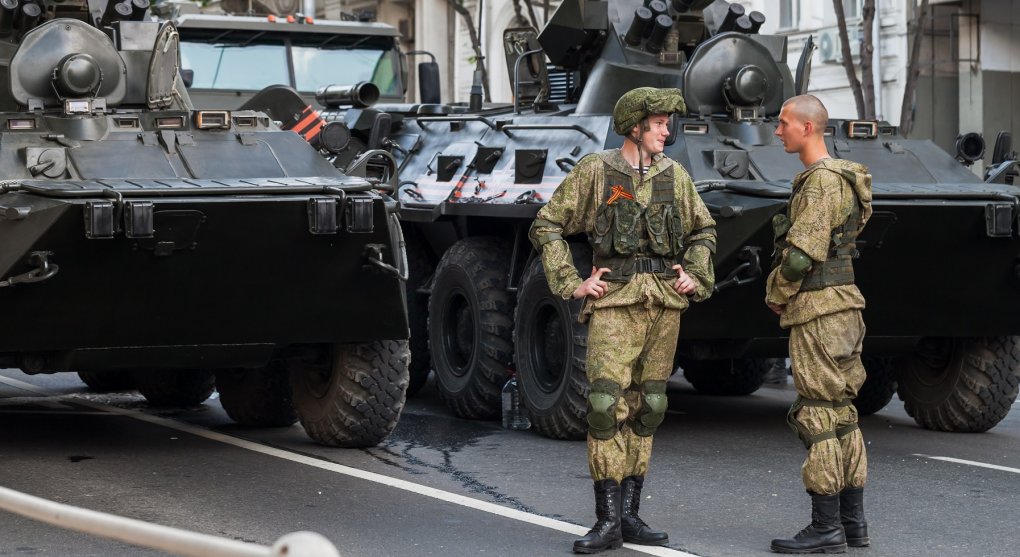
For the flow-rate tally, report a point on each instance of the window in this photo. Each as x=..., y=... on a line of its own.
x=247, y=61
x=787, y=14
x=852, y=9
x=318, y=67
x=230, y=66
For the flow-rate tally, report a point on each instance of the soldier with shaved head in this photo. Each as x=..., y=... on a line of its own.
x=812, y=289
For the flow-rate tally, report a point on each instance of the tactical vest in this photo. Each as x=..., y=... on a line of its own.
x=631, y=239
x=838, y=267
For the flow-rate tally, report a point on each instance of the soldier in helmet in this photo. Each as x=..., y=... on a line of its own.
x=653, y=240
x=812, y=289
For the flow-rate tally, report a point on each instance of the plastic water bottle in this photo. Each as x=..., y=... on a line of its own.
x=515, y=416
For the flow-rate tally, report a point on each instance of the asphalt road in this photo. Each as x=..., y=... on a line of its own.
x=725, y=479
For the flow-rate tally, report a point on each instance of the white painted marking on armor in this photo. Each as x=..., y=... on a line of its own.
x=971, y=463
x=412, y=487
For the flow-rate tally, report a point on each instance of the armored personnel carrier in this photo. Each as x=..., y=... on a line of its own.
x=472, y=181
x=191, y=248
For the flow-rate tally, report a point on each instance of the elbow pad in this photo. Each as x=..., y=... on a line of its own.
x=795, y=265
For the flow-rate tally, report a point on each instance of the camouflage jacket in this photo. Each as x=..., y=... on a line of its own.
x=821, y=201
x=573, y=207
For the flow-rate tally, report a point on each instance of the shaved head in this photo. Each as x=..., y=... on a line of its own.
x=807, y=108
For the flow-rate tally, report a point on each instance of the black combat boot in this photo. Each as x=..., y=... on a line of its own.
x=634, y=529
x=823, y=535
x=851, y=513
x=606, y=532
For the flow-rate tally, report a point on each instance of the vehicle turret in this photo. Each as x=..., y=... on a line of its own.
x=710, y=50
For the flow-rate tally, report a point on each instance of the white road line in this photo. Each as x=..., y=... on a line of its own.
x=447, y=496
x=22, y=385
x=971, y=463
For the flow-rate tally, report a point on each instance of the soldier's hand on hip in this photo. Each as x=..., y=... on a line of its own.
x=685, y=284
x=593, y=286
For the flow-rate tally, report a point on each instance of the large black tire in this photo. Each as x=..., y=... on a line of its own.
x=354, y=398
x=108, y=380
x=420, y=268
x=470, y=327
x=960, y=384
x=257, y=397
x=175, y=387
x=726, y=377
x=878, y=388
x=550, y=352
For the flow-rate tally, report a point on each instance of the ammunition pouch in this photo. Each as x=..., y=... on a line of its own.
x=616, y=228
x=802, y=432
x=665, y=230
x=780, y=226
x=602, y=401
x=653, y=409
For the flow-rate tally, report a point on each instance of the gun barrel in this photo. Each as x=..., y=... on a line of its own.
x=361, y=95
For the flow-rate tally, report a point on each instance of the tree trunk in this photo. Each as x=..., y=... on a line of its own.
x=531, y=14
x=519, y=19
x=458, y=6
x=848, y=61
x=913, y=72
x=867, y=60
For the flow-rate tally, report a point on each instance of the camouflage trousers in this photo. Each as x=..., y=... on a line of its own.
x=628, y=345
x=826, y=357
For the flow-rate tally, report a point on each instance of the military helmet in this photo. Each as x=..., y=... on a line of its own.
x=637, y=104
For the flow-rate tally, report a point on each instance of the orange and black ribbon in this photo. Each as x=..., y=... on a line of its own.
x=618, y=192
x=309, y=124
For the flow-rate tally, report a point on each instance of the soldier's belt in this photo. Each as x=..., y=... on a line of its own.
x=622, y=269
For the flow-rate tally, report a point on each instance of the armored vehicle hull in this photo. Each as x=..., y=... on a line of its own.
x=188, y=248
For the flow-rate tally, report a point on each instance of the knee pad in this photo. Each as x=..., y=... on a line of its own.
x=602, y=409
x=653, y=408
x=802, y=432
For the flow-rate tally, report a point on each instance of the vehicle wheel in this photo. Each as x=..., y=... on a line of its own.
x=257, y=397
x=960, y=384
x=728, y=377
x=470, y=327
x=175, y=387
x=420, y=268
x=878, y=388
x=550, y=352
x=108, y=380
x=352, y=399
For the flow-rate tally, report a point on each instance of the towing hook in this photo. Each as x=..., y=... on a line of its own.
x=44, y=269
x=744, y=273
x=374, y=254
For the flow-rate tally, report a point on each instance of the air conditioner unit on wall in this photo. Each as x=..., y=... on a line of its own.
x=829, y=47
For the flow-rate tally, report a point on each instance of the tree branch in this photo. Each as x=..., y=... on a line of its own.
x=867, y=60
x=531, y=14
x=848, y=61
x=913, y=72
x=458, y=6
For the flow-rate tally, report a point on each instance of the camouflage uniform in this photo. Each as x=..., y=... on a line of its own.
x=634, y=326
x=829, y=198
